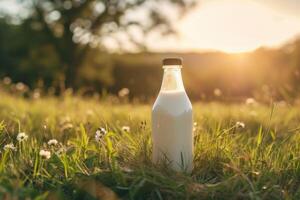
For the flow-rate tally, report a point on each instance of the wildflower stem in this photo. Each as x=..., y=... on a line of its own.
x=3, y=161
x=35, y=165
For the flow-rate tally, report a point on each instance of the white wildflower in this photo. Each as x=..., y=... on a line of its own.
x=250, y=101
x=22, y=137
x=52, y=142
x=45, y=154
x=20, y=86
x=195, y=126
x=10, y=147
x=36, y=94
x=240, y=124
x=7, y=80
x=126, y=128
x=264, y=187
x=99, y=134
x=123, y=92
x=217, y=92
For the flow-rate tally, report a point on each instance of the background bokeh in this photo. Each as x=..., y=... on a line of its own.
x=100, y=47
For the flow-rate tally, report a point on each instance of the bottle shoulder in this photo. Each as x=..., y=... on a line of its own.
x=172, y=101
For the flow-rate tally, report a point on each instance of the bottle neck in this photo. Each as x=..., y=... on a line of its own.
x=172, y=80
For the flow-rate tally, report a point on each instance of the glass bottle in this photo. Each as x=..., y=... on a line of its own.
x=172, y=120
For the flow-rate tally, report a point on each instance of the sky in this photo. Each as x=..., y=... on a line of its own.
x=233, y=26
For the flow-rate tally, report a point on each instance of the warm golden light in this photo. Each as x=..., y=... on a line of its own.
x=232, y=26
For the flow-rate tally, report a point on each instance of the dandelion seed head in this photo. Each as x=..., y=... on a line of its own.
x=22, y=137
x=10, y=147
x=240, y=124
x=126, y=128
x=45, y=154
x=100, y=133
x=52, y=142
x=98, y=137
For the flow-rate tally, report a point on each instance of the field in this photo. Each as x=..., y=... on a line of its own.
x=242, y=151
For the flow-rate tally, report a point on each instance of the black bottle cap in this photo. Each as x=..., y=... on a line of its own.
x=172, y=61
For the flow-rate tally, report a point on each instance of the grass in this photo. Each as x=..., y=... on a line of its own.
x=259, y=161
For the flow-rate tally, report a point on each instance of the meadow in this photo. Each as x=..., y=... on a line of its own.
x=71, y=147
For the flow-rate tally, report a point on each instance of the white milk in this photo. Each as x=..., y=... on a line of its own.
x=172, y=123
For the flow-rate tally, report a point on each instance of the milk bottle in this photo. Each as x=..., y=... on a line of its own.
x=172, y=120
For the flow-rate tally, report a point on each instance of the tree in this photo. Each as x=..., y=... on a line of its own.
x=73, y=27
